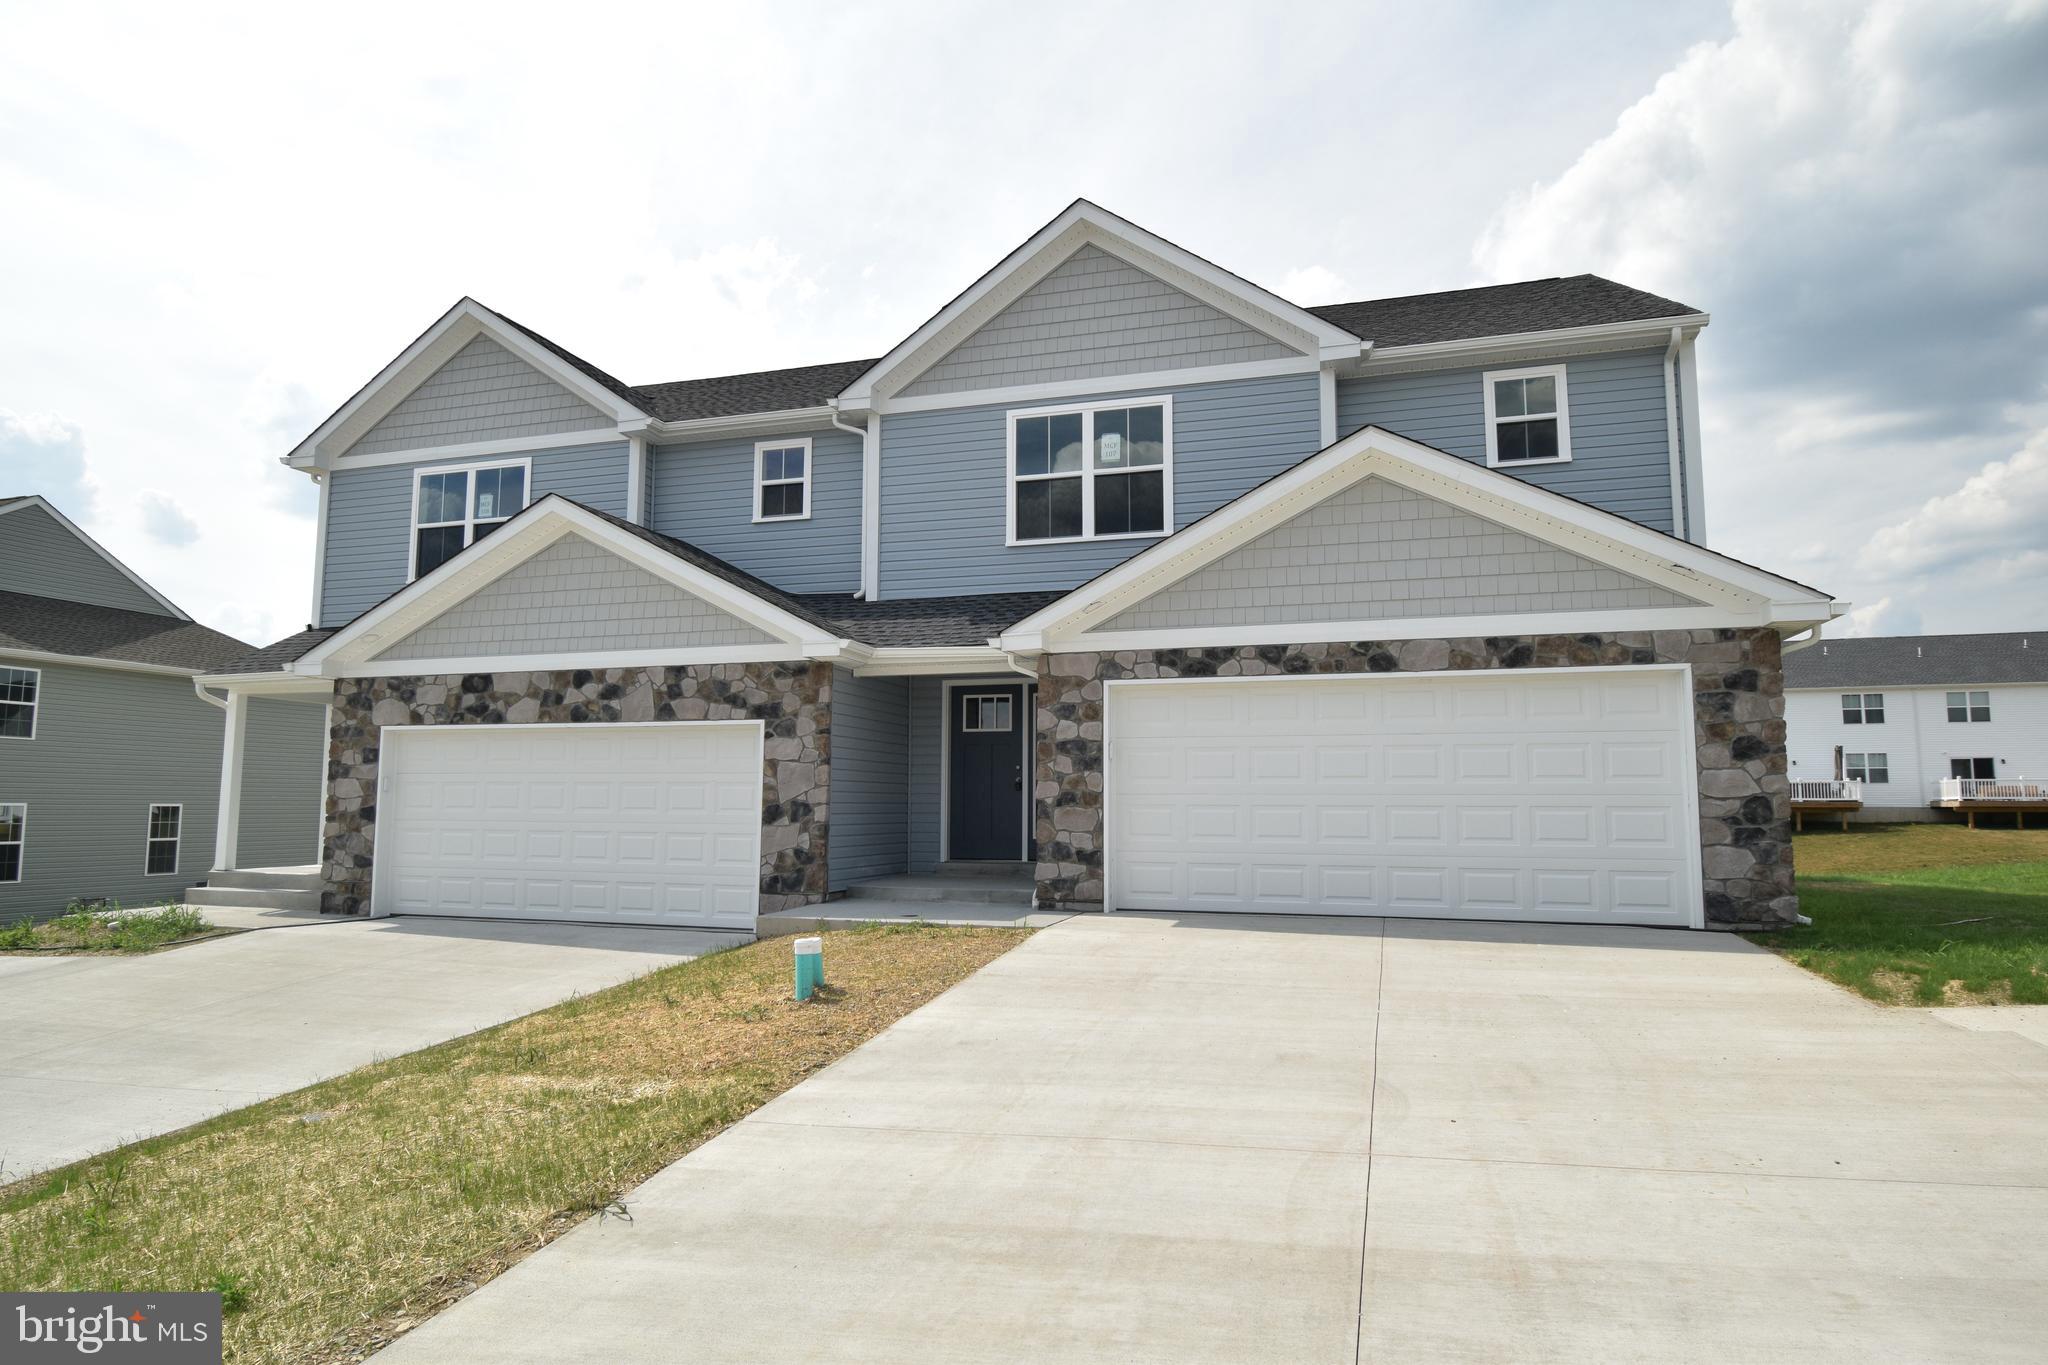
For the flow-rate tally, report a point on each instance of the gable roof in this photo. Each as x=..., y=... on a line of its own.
x=49, y=625
x=1921, y=660
x=21, y=502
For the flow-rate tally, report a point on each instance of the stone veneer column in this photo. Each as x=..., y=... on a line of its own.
x=793, y=699
x=1738, y=730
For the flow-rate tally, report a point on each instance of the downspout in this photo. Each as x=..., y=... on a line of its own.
x=1681, y=520
x=870, y=501
x=199, y=686
x=636, y=478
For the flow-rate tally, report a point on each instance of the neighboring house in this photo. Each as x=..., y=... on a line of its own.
x=1919, y=727
x=1121, y=569
x=109, y=759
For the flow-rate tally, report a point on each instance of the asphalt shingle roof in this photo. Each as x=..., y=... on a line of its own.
x=806, y=386
x=968, y=620
x=272, y=658
x=1921, y=660
x=50, y=625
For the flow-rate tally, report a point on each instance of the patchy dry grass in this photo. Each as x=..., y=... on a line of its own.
x=342, y=1214
x=1924, y=914
x=107, y=930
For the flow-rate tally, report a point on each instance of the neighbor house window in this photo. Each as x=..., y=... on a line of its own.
x=165, y=824
x=782, y=480
x=13, y=835
x=19, y=688
x=1863, y=708
x=1867, y=767
x=979, y=714
x=1526, y=417
x=1094, y=472
x=1968, y=706
x=1982, y=769
x=455, y=507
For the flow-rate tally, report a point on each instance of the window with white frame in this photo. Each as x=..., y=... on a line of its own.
x=1863, y=708
x=1968, y=706
x=1527, y=421
x=166, y=823
x=1867, y=767
x=1094, y=472
x=782, y=480
x=985, y=714
x=13, y=839
x=19, y=690
x=1973, y=769
x=454, y=507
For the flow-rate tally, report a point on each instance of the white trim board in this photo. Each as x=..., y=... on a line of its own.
x=483, y=451
x=38, y=500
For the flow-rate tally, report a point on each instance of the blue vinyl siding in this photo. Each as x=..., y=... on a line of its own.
x=703, y=492
x=870, y=778
x=1620, y=460
x=369, y=518
x=944, y=501
x=927, y=714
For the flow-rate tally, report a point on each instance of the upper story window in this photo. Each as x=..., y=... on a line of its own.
x=1527, y=420
x=160, y=857
x=1093, y=472
x=19, y=688
x=1968, y=706
x=457, y=505
x=1863, y=708
x=782, y=480
x=13, y=838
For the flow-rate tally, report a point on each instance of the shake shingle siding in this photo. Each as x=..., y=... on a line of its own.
x=483, y=393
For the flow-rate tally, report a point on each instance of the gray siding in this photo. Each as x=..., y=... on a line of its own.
x=1380, y=550
x=1095, y=315
x=703, y=492
x=483, y=393
x=927, y=715
x=575, y=595
x=369, y=519
x=1620, y=460
x=40, y=557
x=943, y=496
x=870, y=778
x=108, y=745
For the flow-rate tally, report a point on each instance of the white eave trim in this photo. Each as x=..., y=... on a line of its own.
x=273, y=683
x=594, y=660
x=905, y=661
x=38, y=500
x=1735, y=591
x=41, y=656
x=1606, y=336
x=1083, y=223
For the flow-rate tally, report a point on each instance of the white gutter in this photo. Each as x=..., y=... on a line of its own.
x=870, y=501
x=199, y=686
x=1680, y=519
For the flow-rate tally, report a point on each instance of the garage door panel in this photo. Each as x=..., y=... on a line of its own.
x=655, y=824
x=1492, y=796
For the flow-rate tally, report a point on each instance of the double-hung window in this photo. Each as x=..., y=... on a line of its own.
x=1863, y=708
x=782, y=480
x=456, y=506
x=160, y=856
x=1527, y=419
x=1867, y=767
x=1969, y=706
x=1092, y=472
x=13, y=838
x=19, y=688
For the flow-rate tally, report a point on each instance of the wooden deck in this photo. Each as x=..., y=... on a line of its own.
x=1840, y=808
x=2019, y=810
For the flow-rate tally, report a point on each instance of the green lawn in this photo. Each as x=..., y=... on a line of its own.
x=1924, y=914
x=334, y=1218
x=109, y=930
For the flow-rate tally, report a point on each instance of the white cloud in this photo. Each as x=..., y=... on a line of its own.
x=43, y=453
x=1882, y=617
x=1310, y=285
x=165, y=520
x=1996, y=523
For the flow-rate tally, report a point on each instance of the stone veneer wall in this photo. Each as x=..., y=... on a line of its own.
x=794, y=699
x=1738, y=724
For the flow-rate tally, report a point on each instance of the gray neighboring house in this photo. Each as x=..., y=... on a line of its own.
x=110, y=760
x=1121, y=581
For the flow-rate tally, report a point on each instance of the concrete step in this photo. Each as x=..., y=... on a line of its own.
x=1014, y=871
x=262, y=898
x=269, y=878
x=969, y=890
x=848, y=914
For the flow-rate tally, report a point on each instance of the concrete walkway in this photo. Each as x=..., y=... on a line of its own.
x=100, y=1050
x=1229, y=1139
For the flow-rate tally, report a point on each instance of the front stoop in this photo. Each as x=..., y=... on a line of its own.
x=260, y=888
x=1009, y=886
x=989, y=894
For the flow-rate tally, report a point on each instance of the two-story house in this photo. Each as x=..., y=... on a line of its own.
x=1120, y=569
x=110, y=756
x=1920, y=727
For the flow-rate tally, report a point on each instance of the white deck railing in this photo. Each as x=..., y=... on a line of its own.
x=1992, y=789
x=1837, y=790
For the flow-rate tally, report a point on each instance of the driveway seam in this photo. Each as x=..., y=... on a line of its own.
x=1372, y=1104
x=1715, y=1174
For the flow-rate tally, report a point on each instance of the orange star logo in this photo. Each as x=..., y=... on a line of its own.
x=136, y=1316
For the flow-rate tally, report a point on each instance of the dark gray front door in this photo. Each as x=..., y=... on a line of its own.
x=988, y=730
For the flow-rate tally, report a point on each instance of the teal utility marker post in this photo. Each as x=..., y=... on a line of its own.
x=810, y=966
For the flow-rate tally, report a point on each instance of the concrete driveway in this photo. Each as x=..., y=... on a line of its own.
x=1138, y=1139
x=99, y=1051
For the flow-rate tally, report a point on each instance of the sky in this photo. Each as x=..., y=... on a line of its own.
x=217, y=222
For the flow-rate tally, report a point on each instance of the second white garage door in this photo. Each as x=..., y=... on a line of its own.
x=627, y=824
x=1552, y=795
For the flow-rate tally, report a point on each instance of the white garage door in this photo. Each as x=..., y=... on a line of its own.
x=630, y=824
x=1546, y=796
